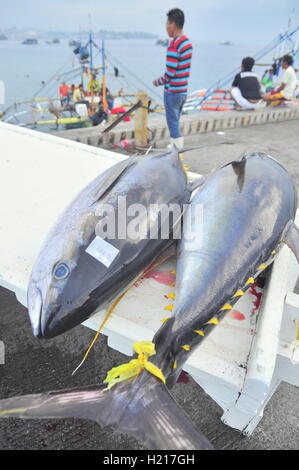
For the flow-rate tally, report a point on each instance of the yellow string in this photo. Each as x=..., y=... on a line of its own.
x=112, y=309
x=14, y=411
x=131, y=369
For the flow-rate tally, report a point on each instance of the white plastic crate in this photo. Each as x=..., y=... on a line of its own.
x=242, y=361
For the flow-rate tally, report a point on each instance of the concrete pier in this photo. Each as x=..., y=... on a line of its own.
x=34, y=366
x=191, y=125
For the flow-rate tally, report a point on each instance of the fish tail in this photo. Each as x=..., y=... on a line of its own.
x=142, y=407
x=154, y=417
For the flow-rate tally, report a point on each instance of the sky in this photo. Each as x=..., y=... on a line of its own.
x=207, y=20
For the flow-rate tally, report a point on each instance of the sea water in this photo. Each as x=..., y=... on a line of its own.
x=23, y=68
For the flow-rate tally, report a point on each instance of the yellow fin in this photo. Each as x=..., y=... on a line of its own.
x=226, y=307
x=273, y=252
x=171, y=296
x=238, y=293
x=186, y=347
x=250, y=280
x=169, y=307
x=213, y=321
x=199, y=332
x=173, y=272
x=165, y=319
x=174, y=365
x=262, y=266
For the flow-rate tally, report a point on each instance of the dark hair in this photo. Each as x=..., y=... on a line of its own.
x=247, y=63
x=176, y=16
x=288, y=59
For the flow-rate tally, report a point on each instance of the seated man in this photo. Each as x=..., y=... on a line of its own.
x=78, y=96
x=288, y=84
x=245, y=87
x=99, y=116
x=63, y=93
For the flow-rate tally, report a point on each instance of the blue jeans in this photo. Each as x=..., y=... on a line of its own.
x=173, y=103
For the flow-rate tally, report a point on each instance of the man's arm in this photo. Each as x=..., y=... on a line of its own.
x=280, y=88
x=236, y=80
x=171, y=66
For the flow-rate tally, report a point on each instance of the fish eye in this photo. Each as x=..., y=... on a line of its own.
x=61, y=271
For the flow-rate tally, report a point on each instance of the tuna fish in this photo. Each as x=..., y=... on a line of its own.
x=248, y=212
x=78, y=270
x=248, y=209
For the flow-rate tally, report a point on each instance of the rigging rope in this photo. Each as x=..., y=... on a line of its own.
x=260, y=54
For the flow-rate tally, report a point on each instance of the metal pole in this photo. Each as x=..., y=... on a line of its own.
x=91, y=69
x=90, y=54
x=104, y=77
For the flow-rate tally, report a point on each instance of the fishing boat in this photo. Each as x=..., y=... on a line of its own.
x=48, y=112
x=73, y=43
x=30, y=41
x=162, y=42
x=225, y=43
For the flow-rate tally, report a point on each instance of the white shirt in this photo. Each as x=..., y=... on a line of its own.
x=290, y=80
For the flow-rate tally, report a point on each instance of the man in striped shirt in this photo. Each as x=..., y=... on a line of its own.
x=175, y=79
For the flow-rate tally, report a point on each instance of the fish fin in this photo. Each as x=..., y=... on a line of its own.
x=238, y=165
x=143, y=409
x=75, y=403
x=291, y=238
x=154, y=417
x=195, y=183
x=239, y=169
x=111, y=175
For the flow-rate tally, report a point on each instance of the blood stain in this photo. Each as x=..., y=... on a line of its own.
x=163, y=277
x=183, y=377
x=258, y=296
x=236, y=315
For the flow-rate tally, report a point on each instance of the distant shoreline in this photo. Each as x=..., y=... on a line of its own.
x=17, y=34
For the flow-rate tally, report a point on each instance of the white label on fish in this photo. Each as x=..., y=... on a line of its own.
x=102, y=251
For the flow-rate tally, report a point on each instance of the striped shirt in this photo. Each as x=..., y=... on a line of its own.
x=178, y=64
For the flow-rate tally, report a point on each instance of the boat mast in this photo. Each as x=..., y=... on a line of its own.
x=91, y=69
x=104, y=77
x=90, y=54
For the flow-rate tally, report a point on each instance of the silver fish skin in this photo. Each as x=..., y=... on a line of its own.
x=247, y=206
x=84, y=283
x=248, y=211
